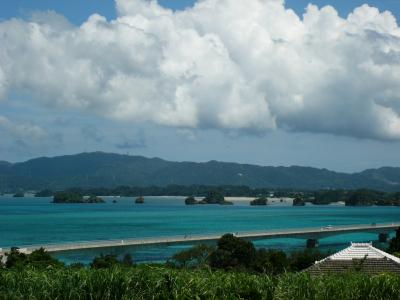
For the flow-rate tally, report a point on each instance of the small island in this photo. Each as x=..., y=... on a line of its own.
x=298, y=202
x=73, y=197
x=259, y=201
x=191, y=201
x=19, y=194
x=139, y=200
x=212, y=197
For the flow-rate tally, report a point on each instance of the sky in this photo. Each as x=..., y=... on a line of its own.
x=266, y=82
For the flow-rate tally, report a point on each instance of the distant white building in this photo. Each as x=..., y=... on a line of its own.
x=3, y=258
x=359, y=257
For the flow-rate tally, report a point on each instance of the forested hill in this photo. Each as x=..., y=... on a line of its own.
x=110, y=170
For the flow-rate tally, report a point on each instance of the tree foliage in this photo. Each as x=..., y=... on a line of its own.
x=259, y=201
x=67, y=197
x=75, y=197
x=300, y=260
x=363, y=197
x=394, y=244
x=271, y=261
x=110, y=261
x=45, y=193
x=194, y=257
x=329, y=196
x=214, y=197
x=233, y=252
x=191, y=201
x=298, y=201
x=37, y=259
x=19, y=194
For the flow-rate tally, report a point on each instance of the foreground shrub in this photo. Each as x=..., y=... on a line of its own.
x=300, y=260
x=233, y=252
x=145, y=282
x=37, y=259
x=194, y=257
x=394, y=244
x=271, y=262
x=109, y=261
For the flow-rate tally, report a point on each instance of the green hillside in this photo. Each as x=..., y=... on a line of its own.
x=110, y=170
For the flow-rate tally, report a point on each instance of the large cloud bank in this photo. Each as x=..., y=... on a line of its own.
x=22, y=130
x=233, y=65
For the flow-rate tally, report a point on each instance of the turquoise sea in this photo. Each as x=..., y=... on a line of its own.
x=36, y=221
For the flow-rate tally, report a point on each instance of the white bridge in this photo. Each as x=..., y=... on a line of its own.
x=312, y=235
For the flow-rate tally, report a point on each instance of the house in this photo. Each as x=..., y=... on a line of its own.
x=3, y=257
x=359, y=257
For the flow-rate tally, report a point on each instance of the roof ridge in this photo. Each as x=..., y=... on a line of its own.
x=361, y=244
x=346, y=254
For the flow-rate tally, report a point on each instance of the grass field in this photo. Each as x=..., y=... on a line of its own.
x=153, y=282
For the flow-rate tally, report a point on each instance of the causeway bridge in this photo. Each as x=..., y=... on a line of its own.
x=311, y=235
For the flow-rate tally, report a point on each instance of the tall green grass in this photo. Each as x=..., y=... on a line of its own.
x=146, y=282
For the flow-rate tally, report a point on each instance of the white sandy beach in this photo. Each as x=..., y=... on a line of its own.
x=271, y=201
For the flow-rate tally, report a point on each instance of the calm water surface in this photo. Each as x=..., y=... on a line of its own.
x=35, y=221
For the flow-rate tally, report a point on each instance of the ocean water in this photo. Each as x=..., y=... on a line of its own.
x=36, y=221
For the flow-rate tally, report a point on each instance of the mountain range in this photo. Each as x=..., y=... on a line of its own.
x=109, y=170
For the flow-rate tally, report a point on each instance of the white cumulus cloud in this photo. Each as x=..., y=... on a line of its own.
x=22, y=130
x=233, y=65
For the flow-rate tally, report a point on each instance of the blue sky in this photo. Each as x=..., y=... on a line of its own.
x=32, y=127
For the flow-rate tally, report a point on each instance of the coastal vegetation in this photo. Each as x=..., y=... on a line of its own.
x=361, y=197
x=298, y=202
x=19, y=194
x=45, y=193
x=191, y=201
x=215, y=197
x=93, y=199
x=259, y=201
x=74, y=197
x=367, y=198
x=329, y=196
x=179, y=190
x=67, y=197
